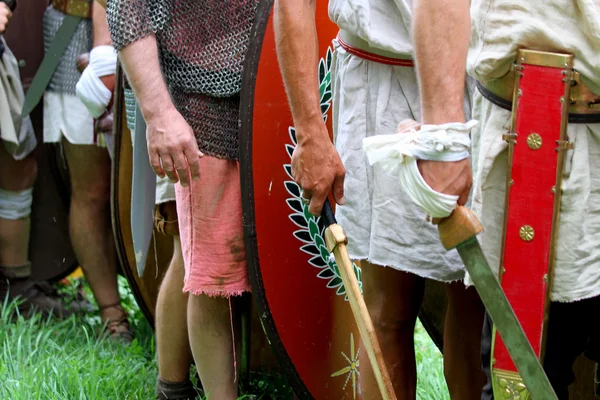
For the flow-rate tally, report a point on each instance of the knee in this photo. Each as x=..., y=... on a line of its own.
x=94, y=194
x=19, y=175
x=29, y=171
x=396, y=321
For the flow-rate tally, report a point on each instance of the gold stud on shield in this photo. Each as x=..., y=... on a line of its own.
x=526, y=233
x=534, y=141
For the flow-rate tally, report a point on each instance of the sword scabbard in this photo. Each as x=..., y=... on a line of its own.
x=537, y=143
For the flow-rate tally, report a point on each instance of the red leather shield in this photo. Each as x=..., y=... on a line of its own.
x=297, y=285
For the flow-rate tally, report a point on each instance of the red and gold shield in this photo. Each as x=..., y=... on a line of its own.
x=297, y=285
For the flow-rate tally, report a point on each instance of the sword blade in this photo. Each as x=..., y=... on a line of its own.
x=506, y=321
x=143, y=195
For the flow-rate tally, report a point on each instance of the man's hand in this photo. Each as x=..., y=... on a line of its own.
x=317, y=167
x=5, y=15
x=172, y=147
x=453, y=178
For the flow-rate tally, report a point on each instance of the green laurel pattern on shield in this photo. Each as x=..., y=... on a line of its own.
x=310, y=233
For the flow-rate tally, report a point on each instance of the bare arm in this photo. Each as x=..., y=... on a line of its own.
x=100, y=26
x=140, y=62
x=316, y=165
x=170, y=139
x=297, y=50
x=441, y=38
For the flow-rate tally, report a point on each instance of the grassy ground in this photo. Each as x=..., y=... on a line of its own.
x=47, y=359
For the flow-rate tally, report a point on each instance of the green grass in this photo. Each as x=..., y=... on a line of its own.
x=49, y=359
x=431, y=384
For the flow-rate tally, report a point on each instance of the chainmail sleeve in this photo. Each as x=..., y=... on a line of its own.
x=202, y=47
x=128, y=21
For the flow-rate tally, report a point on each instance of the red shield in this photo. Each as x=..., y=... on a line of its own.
x=297, y=285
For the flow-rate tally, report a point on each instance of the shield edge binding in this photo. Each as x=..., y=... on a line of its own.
x=124, y=266
x=253, y=56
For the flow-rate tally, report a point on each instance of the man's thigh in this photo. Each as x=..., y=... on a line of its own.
x=89, y=167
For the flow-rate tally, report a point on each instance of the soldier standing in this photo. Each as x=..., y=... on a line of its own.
x=17, y=176
x=192, y=124
x=541, y=214
x=374, y=89
x=172, y=343
x=68, y=123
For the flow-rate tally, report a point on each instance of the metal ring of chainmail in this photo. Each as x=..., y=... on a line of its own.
x=202, y=46
x=66, y=75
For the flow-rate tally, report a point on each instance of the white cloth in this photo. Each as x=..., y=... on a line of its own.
x=398, y=154
x=499, y=28
x=90, y=89
x=382, y=223
x=384, y=25
x=577, y=269
x=65, y=114
x=16, y=132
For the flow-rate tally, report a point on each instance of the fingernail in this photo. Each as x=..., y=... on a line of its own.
x=201, y=154
x=196, y=178
x=342, y=201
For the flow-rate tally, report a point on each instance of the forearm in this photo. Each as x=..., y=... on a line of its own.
x=140, y=62
x=441, y=30
x=100, y=26
x=297, y=51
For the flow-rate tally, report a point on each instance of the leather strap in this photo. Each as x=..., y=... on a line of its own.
x=51, y=60
x=19, y=272
x=360, y=48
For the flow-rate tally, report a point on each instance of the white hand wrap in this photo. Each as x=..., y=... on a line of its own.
x=90, y=89
x=399, y=153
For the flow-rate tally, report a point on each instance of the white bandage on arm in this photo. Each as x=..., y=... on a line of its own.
x=90, y=89
x=15, y=205
x=398, y=153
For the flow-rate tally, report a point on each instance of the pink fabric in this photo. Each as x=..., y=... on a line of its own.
x=211, y=231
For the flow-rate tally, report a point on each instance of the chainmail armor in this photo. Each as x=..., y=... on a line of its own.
x=202, y=46
x=66, y=75
x=130, y=106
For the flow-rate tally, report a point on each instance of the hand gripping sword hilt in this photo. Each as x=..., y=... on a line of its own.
x=459, y=227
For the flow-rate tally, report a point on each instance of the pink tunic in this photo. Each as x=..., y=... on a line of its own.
x=212, y=236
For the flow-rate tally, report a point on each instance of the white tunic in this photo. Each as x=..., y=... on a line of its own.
x=369, y=98
x=499, y=28
x=383, y=24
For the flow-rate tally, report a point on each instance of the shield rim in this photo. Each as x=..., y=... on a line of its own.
x=124, y=265
x=251, y=64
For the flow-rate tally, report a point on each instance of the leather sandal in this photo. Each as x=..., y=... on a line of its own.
x=113, y=328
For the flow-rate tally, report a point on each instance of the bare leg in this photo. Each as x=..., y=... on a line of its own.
x=462, y=343
x=90, y=224
x=14, y=234
x=209, y=326
x=393, y=299
x=173, y=347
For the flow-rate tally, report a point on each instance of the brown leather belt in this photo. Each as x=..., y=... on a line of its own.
x=77, y=8
x=584, y=105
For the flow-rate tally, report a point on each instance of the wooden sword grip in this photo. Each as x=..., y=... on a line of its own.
x=459, y=227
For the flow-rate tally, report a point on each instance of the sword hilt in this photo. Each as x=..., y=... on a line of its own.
x=327, y=214
x=459, y=227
